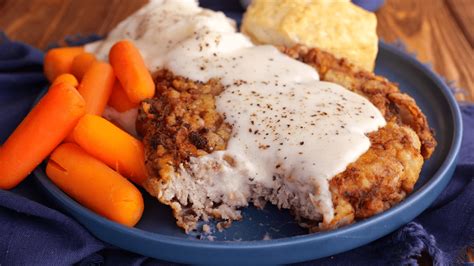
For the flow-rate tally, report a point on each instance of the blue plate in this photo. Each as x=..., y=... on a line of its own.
x=156, y=235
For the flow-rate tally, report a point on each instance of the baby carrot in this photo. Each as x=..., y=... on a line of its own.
x=66, y=78
x=96, y=87
x=39, y=133
x=81, y=63
x=95, y=185
x=131, y=71
x=119, y=99
x=59, y=60
x=113, y=146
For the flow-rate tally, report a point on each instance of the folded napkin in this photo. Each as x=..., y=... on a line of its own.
x=35, y=231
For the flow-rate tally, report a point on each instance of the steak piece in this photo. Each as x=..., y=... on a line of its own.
x=182, y=123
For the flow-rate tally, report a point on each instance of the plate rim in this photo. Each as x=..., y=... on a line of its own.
x=440, y=176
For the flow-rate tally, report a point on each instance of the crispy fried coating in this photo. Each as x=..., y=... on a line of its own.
x=379, y=179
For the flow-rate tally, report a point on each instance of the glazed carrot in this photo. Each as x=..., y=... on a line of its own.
x=113, y=146
x=96, y=87
x=39, y=133
x=95, y=185
x=66, y=78
x=131, y=71
x=81, y=63
x=59, y=60
x=119, y=99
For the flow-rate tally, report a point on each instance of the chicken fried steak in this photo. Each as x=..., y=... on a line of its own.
x=182, y=123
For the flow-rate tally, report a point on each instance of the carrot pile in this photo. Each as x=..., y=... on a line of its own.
x=97, y=158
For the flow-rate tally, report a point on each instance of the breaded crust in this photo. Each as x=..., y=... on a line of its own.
x=182, y=122
x=379, y=179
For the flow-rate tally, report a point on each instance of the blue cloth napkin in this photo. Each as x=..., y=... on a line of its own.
x=35, y=231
